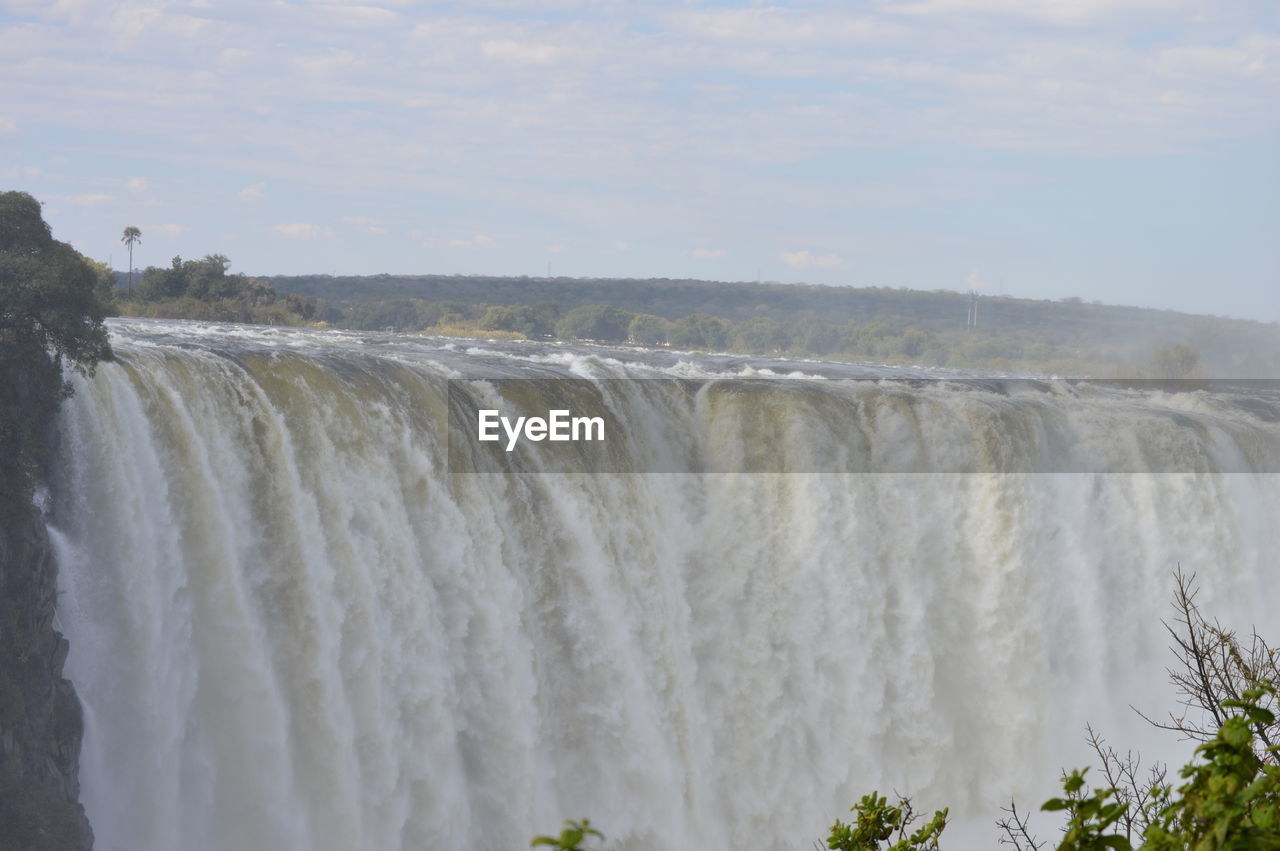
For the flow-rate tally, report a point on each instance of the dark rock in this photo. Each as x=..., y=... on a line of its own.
x=40, y=719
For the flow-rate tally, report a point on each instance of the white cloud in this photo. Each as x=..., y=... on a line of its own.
x=234, y=55
x=137, y=184
x=364, y=224
x=1251, y=57
x=303, y=230
x=19, y=171
x=780, y=26
x=327, y=63
x=519, y=53
x=645, y=121
x=165, y=229
x=1071, y=12
x=478, y=240
x=975, y=281
x=804, y=260
x=357, y=15
x=89, y=199
x=621, y=245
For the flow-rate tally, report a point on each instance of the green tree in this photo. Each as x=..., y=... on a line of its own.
x=520, y=318
x=207, y=279
x=700, y=331
x=816, y=338
x=257, y=293
x=595, y=322
x=407, y=314
x=159, y=284
x=877, y=821
x=105, y=286
x=648, y=330
x=301, y=305
x=50, y=315
x=1229, y=802
x=130, y=237
x=760, y=334
x=48, y=291
x=1176, y=361
x=915, y=341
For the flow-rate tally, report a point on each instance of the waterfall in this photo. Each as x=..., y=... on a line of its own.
x=294, y=625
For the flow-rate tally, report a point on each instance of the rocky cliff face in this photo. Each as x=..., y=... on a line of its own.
x=50, y=316
x=40, y=721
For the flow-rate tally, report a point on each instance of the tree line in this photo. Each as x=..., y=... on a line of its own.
x=878, y=339
x=901, y=327
x=206, y=289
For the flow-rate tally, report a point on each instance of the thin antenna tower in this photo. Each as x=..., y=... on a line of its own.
x=972, y=321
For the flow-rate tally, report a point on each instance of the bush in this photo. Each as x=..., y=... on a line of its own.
x=648, y=330
x=700, y=331
x=595, y=322
x=50, y=313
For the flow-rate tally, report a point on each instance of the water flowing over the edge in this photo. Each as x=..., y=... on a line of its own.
x=292, y=629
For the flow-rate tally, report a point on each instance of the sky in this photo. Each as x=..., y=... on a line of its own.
x=1124, y=151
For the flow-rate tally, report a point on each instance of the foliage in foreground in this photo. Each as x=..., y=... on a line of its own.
x=571, y=838
x=1228, y=800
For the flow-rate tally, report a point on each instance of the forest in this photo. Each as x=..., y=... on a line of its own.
x=895, y=325
x=938, y=328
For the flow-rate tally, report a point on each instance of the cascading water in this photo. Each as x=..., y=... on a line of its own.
x=294, y=627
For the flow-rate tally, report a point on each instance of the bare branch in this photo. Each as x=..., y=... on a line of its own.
x=1213, y=666
x=1017, y=831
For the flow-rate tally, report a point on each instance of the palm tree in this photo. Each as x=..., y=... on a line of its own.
x=131, y=235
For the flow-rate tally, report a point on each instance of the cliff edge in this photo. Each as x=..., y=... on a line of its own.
x=40, y=721
x=50, y=317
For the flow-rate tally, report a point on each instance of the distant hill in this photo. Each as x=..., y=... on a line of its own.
x=1228, y=346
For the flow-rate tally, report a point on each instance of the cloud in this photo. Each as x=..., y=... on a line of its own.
x=1069, y=12
x=975, y=282
x=137, y=184
x=364, y=224
x=303, y=230
x=327, y=63
x=805, y=260
x=165, y=230
x=476, y=241
x=349, y=16
x=89, y=199
x=234, y=55
x=621, y=245
x=518, y=53
x=775, y=25
x=564, y=127
x=19, y=171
